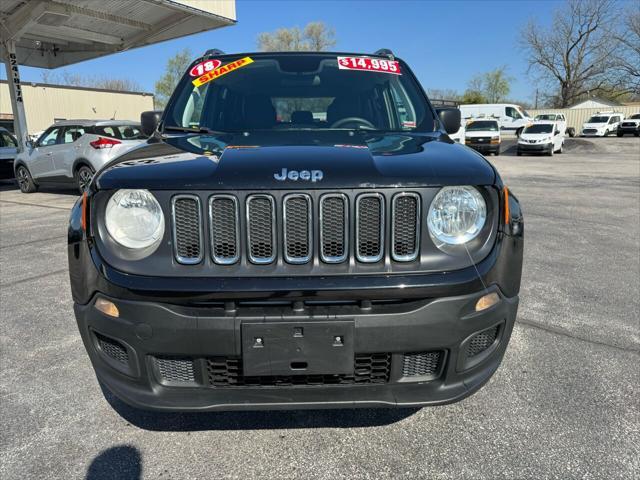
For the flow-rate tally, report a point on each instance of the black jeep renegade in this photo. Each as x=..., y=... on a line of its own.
x=298, y=232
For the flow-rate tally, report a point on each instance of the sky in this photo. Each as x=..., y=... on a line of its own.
x=444, y=42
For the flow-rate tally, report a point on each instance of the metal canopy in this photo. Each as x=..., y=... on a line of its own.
x=54, y=33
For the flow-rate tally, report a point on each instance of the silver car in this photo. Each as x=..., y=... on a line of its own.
x=70, y=152
x=8, y=152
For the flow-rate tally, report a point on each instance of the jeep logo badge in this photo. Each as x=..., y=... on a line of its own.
x=295, y=175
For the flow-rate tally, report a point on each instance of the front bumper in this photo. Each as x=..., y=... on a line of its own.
x=485, y=147
x=151, y=332
x=534, y=147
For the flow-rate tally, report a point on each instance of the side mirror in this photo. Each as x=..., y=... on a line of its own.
x=450, y=119
x=149, y=121
x=29, y=144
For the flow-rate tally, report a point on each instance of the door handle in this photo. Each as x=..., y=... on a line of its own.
x=48, y=154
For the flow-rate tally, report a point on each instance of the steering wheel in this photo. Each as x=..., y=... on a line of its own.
x=344, y=121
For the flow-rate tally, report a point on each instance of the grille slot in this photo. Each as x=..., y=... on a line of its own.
x=369, y=368
x=334, y=218
x=261, y=228
x=225, y=229
x=370, y=227
x=187, y=229
x=421, y=364
x=405, y=226
x=298, y=223
x=176, y=369
x=113, y=349
x=481, y=341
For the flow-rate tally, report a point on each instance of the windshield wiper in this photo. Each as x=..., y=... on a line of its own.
x=193, y=130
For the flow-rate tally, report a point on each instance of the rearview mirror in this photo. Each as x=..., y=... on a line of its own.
x=149, y=121
x=450, y=119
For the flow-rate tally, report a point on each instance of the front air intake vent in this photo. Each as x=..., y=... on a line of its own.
x=482, y=341
x=225, y=229
x=370, y=227
x=113, y=349
x=334, y=221
x=261, y=234
x=421, y=364
x=405, y=226
x=187, y=229
x=176, y=369
x=298, y=226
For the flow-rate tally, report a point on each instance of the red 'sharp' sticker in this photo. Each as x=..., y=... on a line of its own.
x=369, y=64
x=201, y=68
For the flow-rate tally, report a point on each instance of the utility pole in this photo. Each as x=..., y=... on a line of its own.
x=536, y=98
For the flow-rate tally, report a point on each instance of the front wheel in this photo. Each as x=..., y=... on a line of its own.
x=571, y=131
x=620, y=134
x=83, y=178
x=561, y=146
x=606, y=133
x=25, y=181
x=519, y=132
x=550, y=153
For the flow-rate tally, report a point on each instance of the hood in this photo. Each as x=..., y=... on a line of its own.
x=535, y=136
x=482, y=133
x=296, y=160
x=594, y=125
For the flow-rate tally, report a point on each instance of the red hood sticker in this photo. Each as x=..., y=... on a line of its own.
x=201, y=68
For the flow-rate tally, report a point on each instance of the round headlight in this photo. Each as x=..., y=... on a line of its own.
x=456, y=215
x=134, y=218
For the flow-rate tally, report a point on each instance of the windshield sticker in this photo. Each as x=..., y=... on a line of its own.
x=218, y=72
x=408, y=124
x=369, y=64
x=201, y=68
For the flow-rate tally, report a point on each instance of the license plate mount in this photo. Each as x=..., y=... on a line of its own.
x=298, y=348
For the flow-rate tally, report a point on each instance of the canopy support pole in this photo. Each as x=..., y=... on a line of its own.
x=15, y=93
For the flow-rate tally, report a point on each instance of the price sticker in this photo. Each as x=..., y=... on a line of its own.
x=369, y=64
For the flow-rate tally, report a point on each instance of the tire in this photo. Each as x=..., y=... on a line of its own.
x=636, y=134
x=571, y=131
x=550, y=153
x=519, y=132
x=496, y=153
x=519, y=154
x=25, y=180
x=561, y=146
x=606, y=133
x=620, y=134
x=83, y=178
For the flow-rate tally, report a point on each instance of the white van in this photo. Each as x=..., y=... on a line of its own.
x=602, y=124
x=542, y=137
x=509, y=115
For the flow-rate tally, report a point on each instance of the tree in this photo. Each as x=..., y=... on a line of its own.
x=176, y=66
x=471, y=97
x=628, y=52
x=108, y=83
x=496, y=85
x=573, y=54
x=316, y=37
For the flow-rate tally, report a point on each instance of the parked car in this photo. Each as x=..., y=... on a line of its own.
x=8, y=152
x=256, y=256
x=483, y=136
x=69, y=153
x=559, y=118
x=602, y=124
x=542, y=137
x=510, y=116
x=630, y=125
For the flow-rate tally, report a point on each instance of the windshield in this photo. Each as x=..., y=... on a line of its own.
x=635, y=116
x=524, y=112
x=292, y=92
x=597, y=119
x=546, y=128
x=547, y=116
x=490, y=125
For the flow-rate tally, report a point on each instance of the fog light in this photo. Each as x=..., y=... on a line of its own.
x=109, y=308
x=488, y=300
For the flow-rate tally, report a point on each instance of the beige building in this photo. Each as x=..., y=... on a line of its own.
x=45, y=103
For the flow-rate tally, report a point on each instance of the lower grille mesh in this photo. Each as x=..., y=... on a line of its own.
x=176, y=369
x=421, y=364
x=369, y=369
x=113, y=349
x=481, y=341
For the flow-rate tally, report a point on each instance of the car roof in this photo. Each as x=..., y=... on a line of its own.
x=542, y=122
x=91, y=123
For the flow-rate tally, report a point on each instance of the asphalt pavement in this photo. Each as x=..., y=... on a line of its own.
x=564, y=404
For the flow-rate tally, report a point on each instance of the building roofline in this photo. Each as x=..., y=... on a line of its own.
x=77, y=87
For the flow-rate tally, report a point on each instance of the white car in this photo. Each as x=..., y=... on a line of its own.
x=559, y=118
x=510, y=116
x=630, y=125
x=602, y=124
x=541, y=137
x=483, y=135
x=70, y=152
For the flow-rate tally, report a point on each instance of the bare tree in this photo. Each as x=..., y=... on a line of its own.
x=575, y=51
x=315, y=37
x=627, y=56
x=75, y=79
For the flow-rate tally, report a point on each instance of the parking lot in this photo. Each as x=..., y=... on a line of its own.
x=564, y=404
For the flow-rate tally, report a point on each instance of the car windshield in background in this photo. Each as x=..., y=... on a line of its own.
x=545, y=117
x=597, y=119
x=295, y=92
x=546, y=128
x=484, y=125
x=635, y=116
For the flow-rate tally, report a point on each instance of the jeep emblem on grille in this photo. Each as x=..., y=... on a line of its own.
x=295, y=175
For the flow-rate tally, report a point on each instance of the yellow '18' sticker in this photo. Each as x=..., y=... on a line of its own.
x=223, y=70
